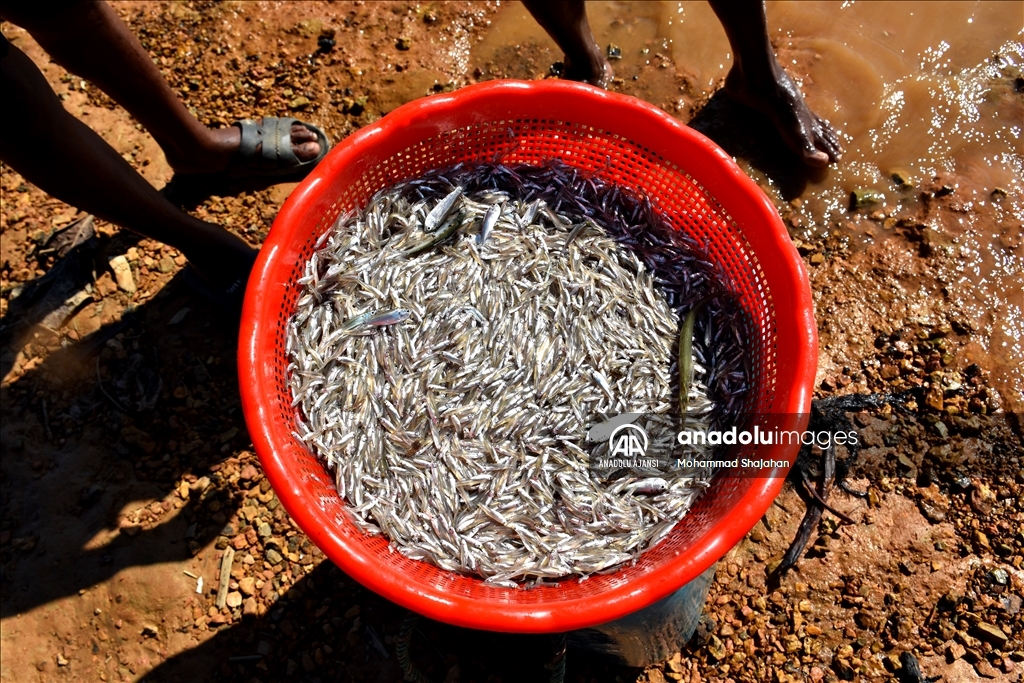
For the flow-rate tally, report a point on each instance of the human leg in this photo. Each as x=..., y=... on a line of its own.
x=69, y=161
x=758, y=81
x=91, y=41
x=566, y=23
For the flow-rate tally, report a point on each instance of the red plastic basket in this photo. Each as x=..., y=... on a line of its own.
x=623, y=140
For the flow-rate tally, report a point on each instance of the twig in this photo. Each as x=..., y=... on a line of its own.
x=225, y=577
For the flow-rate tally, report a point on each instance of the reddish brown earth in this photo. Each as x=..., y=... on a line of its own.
x=127, y=473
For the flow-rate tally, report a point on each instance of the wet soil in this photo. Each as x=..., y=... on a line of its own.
x=128, y=476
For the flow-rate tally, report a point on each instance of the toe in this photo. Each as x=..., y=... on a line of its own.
x=816, y=158
x=302, y=134
x=825, y=139
x=306, y=150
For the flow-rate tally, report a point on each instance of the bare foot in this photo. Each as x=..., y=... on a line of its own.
x=780, y=100
x=224, y=142
x=593, y=69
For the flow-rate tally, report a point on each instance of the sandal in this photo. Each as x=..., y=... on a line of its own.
x=276, y=159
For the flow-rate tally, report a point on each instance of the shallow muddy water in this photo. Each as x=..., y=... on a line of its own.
x=925, y=89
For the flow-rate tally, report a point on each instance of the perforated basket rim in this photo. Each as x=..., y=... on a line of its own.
x=657, y=133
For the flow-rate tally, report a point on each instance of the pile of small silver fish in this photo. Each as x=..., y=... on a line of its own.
x=449, y=353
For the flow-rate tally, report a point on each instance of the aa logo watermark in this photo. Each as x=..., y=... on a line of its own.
x=628, y=441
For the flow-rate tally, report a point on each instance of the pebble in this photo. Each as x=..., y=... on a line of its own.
x=123, y=274
x=166, y=265
x=991, y=634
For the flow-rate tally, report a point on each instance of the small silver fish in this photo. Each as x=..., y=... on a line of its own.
x=487, y=224
x=357, y=321
x=444, y=233
x=399, y=315
x=439, y=212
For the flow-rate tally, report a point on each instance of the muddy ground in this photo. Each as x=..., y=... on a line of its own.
x=127, y=473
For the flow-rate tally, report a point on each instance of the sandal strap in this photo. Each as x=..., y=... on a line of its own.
x=277, y=141
x=251, y=138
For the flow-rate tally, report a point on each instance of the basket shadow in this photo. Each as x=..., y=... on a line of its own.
x=745, y=133
x=96, y=426
x=311, y=633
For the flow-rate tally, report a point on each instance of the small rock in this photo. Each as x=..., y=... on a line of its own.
x=867, y=620
x=403, y=44
x=307, y=662
x=998, y=576
x=61, y=661
x=352, y=611
x=982, y=499
x=864, y=197
x=274, y=557
x=817, y=259
x=165, y=265
x=247, y=585
x=933, y=399
x=123, y=273
x=150, y=631
x=250, y=607
x=136, y=437
x=248, y=473
x=358, y=105
x=325, y=43
x=984, y=669
x=655, y=676
x=716, y=649
x=299, y=103
x=990, y=634
x=902, y=178
x=234, y=599
x=954, y=651
x=265, y=531
x=933, y=504
x=981, y=539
